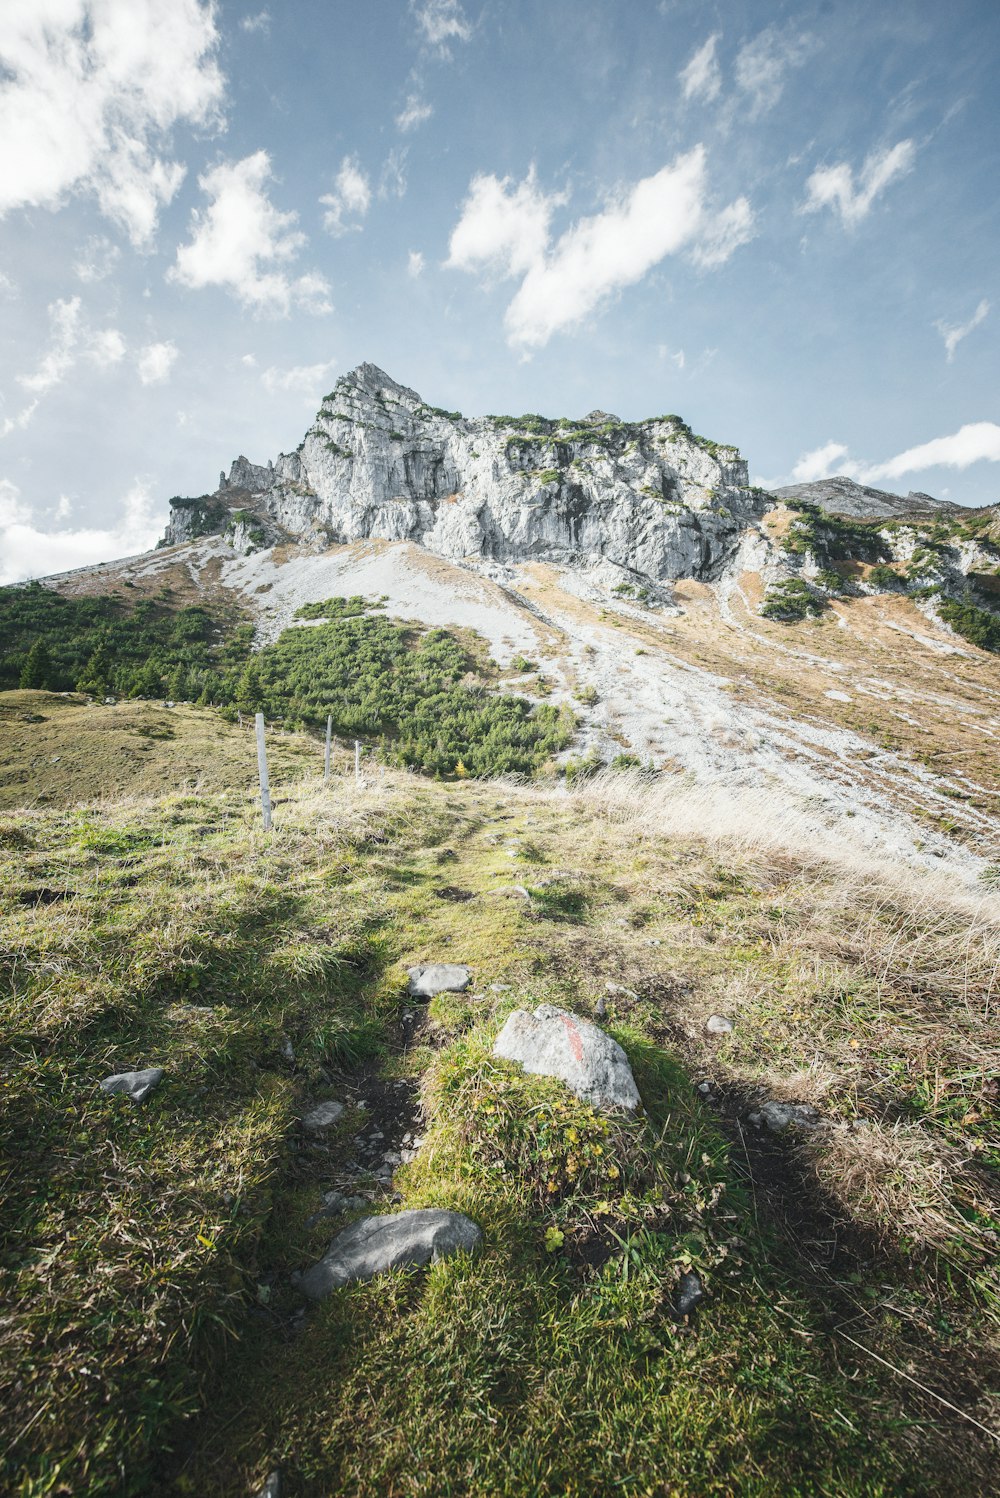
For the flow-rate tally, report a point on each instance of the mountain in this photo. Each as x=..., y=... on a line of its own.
x=620, y=577
x=842, y=496
x=378, y=462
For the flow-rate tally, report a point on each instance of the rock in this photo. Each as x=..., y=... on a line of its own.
x=273, y=1488
x=334, y=1204
x=438, y=977
x=717, y=1024
x=287, y=1051
x=138, y=1084
x=397, y=1241
x=379, y=462
x=322, y=1116
x=601, y=1007
x=705, y=1088
x=781, y=1116
x=690, y=1294
x=553, y=1043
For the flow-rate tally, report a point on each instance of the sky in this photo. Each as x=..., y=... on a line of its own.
x=779, y=220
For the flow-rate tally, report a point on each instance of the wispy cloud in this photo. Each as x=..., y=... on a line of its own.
x=261, y=22
x=415, y=264
x=97, y=259
x=89, y=93
x=953, y=335
x=243, y=244
x=702, y=78
x=441, y=22
x=306, y=380
x=834, y=187
x=762, y=65
x=413, y=114
x=350, y=200
x=504, y=231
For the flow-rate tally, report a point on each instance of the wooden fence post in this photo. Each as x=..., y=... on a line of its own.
x=357, y=760
x=326, y=757
x=265, y=789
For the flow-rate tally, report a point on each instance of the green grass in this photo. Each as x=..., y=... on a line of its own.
x=150, y=1337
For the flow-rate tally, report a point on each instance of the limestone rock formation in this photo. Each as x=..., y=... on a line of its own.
x=648, y=496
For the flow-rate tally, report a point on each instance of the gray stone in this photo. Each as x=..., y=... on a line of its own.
x=553, y=1043
x=323, y=1115
x=397, y=1241
x=137, y=1084
x=781, y=1116
x=690, y=1294
x=438, y=977
x=274, y=1487
x=718, y=1024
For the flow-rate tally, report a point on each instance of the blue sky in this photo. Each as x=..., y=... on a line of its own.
x=779, y=220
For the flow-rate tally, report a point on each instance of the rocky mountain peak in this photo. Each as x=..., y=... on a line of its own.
x=650, y=497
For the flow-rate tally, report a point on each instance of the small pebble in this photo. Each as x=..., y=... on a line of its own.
x=718, y=1024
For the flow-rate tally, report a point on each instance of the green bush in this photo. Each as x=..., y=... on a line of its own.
x=979, y=626
x=884, y=579
x=791, y=600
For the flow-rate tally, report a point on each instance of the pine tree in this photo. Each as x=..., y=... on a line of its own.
x=36, y=673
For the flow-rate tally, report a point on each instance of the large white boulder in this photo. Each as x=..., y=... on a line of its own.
x=553, y=1043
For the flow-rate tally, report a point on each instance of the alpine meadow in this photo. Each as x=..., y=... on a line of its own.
x=499, y=913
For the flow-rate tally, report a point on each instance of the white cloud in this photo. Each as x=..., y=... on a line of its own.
x=441, y=21
x=7, y=286
x=833, y=186
x=723, y=233
x=260, y=22
x=107, y=348
x=26, y=550
x=702, y=78
x=976, y=442
x=90, y=91
x=953, y=335
x=350, y=199
x=413, y=113
x=415, y=264
x=504, y=230
x=250, y=360
x=305, y=379
x=820, y=463
x=98, y=258
x=761, y=66
x=242, y=243
x=155, y=362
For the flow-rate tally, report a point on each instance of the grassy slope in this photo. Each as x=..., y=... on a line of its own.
x=152, y=1340
x=57, y=749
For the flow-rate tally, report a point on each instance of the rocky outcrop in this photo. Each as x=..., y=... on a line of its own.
x=378, y=461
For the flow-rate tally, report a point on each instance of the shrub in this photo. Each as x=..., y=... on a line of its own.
x=979, y=626
x=791, y=600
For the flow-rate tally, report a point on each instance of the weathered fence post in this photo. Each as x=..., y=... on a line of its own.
x=326, y=757
x=265, y=789
x=357, y=760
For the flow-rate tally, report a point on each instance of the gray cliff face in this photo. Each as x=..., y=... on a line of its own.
x=379, y=462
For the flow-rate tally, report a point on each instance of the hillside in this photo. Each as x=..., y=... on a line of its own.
x=848, y=1268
